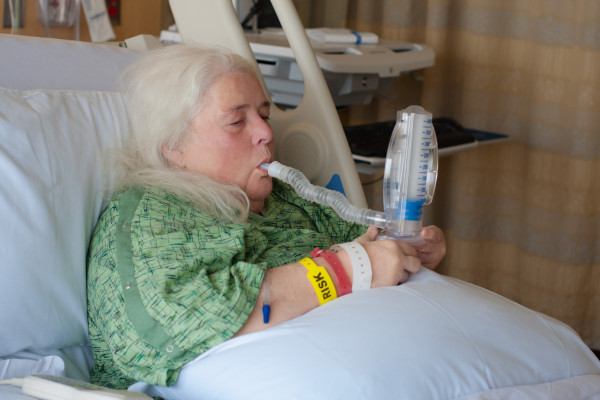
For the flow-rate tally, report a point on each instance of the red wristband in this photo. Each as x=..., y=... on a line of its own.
x=338, y=269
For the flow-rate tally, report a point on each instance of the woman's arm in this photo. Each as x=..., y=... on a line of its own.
x=291, y=294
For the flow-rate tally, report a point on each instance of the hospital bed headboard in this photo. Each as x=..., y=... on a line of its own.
x=309, y=137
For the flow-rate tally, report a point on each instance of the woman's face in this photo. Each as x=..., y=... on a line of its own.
x=231, y=137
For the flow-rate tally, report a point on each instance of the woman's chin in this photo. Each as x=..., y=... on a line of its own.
x=260, y=191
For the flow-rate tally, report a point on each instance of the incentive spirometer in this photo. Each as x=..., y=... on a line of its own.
x=409, y=180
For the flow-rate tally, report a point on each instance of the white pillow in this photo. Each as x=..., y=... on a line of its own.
x=432, y=338
x=51, y=194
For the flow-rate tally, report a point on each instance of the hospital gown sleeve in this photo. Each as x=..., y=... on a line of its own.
x=176, y=285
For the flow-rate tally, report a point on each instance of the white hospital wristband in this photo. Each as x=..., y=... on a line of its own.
x=361, y=265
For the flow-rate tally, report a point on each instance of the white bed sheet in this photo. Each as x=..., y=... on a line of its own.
x=585, y=387
x=13, y=393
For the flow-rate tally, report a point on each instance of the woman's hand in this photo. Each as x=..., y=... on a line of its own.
x=434, y=249
x=392, y=261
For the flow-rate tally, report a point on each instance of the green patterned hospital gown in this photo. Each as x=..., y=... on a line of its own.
x=166, y=281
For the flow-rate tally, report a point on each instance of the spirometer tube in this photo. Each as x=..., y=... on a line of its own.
x=324, y=196
x=409, y=180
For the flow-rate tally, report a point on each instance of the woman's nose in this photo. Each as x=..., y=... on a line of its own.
x=263, y=134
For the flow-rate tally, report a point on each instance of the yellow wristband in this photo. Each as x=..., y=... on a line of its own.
x=321, y=281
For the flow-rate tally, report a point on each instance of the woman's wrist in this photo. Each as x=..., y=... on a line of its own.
x=361, y=264
x=341, y=279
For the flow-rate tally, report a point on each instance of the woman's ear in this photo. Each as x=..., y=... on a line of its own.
x=174, y=156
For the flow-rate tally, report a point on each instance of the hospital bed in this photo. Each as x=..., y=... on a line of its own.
x=433, y=337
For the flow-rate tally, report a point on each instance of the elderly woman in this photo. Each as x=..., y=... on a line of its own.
x=198, y=237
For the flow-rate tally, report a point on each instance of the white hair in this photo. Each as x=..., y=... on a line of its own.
x=165, y=91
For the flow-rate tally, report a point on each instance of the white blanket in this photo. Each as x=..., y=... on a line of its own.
x=434, y=337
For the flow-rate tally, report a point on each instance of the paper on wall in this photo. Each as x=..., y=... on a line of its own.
x=97, y=20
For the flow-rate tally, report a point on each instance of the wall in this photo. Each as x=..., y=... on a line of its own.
x=137, y=17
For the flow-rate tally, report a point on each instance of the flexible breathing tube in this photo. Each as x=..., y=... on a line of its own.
x=336, y=200
x=408, y=183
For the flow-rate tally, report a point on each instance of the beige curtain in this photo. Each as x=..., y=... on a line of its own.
x=521, y=218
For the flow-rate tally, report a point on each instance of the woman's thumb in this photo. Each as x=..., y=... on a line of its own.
x=372, y=233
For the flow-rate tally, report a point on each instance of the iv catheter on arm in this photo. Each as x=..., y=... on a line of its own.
x=409, y=180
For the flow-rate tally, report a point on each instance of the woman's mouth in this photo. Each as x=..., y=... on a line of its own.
x=264, y=167
x=265, y=164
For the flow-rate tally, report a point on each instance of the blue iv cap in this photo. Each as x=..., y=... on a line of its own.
x=266, y=313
